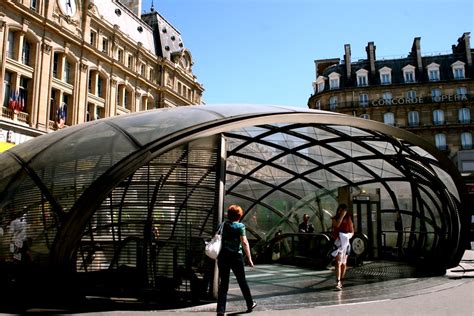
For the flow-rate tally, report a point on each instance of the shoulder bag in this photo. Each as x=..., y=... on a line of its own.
x=213, y=247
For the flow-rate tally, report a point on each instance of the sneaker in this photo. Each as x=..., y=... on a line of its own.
x=339, y=285
x=250, y=308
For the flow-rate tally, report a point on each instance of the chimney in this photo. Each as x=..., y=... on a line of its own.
x=347, y=59
x=416, y=53
x=466, y=38
x=370, y=49
x=134, y=5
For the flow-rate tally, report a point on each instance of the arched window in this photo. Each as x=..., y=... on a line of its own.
x=389, y=118
x=413, y=118
x=464, y=115
x=466, y=140
x=438, y=117
x=440, y=141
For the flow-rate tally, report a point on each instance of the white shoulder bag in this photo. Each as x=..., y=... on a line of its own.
x=213, y=247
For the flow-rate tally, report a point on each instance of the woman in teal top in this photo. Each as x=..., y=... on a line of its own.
x=231, y=258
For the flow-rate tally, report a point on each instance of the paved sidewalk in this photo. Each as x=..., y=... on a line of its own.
x=312, y=293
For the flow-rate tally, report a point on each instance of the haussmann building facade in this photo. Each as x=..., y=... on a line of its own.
x=67, y=62
x=430, y=95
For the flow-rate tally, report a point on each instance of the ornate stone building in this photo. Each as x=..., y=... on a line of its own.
x=64, y=62
x=431, y=96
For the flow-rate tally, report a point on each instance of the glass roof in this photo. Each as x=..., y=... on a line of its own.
x=281, y=162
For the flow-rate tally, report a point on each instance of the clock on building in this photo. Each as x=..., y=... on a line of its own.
x=67, y=7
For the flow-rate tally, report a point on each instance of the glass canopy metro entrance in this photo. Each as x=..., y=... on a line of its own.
x=123, y=205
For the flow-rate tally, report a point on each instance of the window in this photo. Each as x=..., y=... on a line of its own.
x=120, y=55
x=363, y=99
x=464, y=115
x=89, y=86
x=23, y=93
x=8, y=88
x=411, y=94
x=67, y=71
x=55, y=65
x=25, y=54
x=105, y=45
x=93, y=39
x=436, y=95
x=409, y=73
x=334, y=80
x=318, y=105
x=458, y=70
x=361, y=80
x=440, y=141
x=413, y=119
x=385, y=75
x=365, y=116
x=438, y=117
x=332, y=103
x=387, y=97
x=362, y=77
x=150, y=74
x=100, y=87
x=98, y=113
x=461, y=91
x=433, y=72
x=320, y=81
x=466, y=140
x=126, y=99
x=11, y=45
x=130, y=61
x=389, y=118
x=321, y=86
x=33, y=5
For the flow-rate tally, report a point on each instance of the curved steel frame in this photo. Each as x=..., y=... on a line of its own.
x=70, y=224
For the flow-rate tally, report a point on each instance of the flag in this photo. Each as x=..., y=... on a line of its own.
x=61, y=115
x=21, y=103
x=13, y=102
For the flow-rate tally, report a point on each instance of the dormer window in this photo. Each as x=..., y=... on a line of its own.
x=409, y=73
x=433, y=71
x=334, y=80
x=458, y=70
x=362, y=77
x=385, y=75
x=320, y=81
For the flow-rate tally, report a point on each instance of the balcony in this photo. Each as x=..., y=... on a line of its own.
x=22, y=117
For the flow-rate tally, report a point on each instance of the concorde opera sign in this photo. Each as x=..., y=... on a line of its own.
x=441, y=98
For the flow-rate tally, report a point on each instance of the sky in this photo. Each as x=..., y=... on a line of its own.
x=263, y=51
